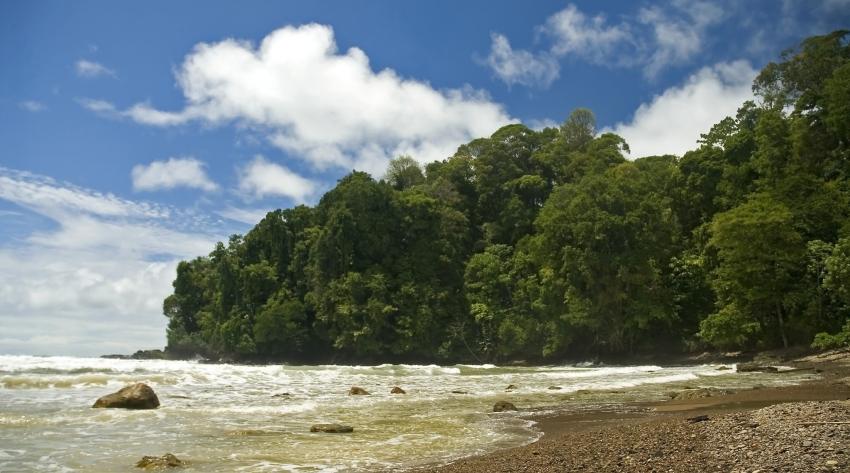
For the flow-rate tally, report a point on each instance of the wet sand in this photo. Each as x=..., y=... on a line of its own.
x=801, y=428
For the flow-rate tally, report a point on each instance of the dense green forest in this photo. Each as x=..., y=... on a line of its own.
x=544, y=245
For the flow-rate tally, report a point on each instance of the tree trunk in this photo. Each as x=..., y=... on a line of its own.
x=781, y=321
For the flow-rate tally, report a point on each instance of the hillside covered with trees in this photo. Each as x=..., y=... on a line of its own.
x=543, y=245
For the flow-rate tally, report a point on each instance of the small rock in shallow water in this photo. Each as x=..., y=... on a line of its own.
x=332, y=428
x=357, y=391
x=397, y=390
x=510, y=387
x=699, y=393
x=166, y=461
x=503, y=406
x=754, y=367
x=135, y=396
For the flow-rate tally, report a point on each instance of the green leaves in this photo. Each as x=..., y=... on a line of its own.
x=544, y=245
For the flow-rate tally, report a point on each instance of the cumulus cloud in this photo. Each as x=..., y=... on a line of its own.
x=652, y=38
x=671, y=123
x=520, y=66
x=677, y=38
x=91, y=69
x=326, y=106
x=261, y=178
x=175, y=172
x=92, y=281
x=32, y=106
x=573, y=32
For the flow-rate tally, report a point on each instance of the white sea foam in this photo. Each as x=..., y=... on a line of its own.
x=46, y=402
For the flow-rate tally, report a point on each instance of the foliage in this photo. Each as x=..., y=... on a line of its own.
x=541, y=245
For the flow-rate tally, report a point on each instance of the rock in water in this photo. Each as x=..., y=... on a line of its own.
x=503, y=406
x=699, y=393
x=166, y=461
x=510, y=387
x=135, y=396
x=357, y=391
x=752, y=367
x=332, y=428
x=397, y=390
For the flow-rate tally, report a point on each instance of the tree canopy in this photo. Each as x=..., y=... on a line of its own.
x=541, y=245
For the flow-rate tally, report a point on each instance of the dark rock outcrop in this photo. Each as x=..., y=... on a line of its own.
x=699, y=393
x=397, y=390
x=510, y=387
x=502, y=406
x=166, y=461
x=332, y=428
x=135, y=396
x=756, y=367
x=357, y=391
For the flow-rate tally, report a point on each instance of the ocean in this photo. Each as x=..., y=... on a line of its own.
x=223, y=418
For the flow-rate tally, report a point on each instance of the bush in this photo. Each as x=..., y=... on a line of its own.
x=826, y=341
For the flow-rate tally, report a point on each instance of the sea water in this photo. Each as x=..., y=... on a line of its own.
x=257, y=418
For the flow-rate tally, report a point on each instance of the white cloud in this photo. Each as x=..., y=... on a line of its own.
x=175, y=172
x=520, y=66
x=574, y=33
x=672, y=121
x=101, y=107
x=249, y=216
x=539, y=124
x=45, y=196
x=677, y=38
x=93, y=282
x=317, y=103
x=261, y=178
x=652, y=38
x=32, y=106
x=91, y=69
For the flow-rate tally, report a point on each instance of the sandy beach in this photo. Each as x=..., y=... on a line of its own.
x=800, y=428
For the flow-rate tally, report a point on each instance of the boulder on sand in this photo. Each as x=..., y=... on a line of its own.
x=503, y=406
x=135, y=396
x=166, y=461
x=397, y=390
x=332, y=428
x=357, y=391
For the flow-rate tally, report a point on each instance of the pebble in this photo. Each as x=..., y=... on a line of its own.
x=673, y=445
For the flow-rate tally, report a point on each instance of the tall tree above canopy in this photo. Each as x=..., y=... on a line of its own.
x=404, y=172
x=579, y=129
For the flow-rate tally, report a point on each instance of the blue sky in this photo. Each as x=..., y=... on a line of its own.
x=138, y=134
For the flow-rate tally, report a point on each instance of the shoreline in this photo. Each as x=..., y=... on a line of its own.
x=657, y=436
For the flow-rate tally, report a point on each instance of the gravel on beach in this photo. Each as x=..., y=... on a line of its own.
x=788, y=429
x=791, y=437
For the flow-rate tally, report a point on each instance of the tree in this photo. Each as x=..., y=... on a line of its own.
x=579, y=129
x=404, y=172
x=759, y=256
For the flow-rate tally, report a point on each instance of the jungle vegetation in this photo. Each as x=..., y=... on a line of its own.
x=544, y=245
